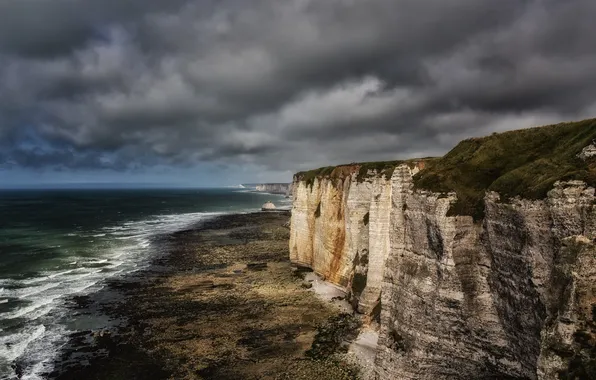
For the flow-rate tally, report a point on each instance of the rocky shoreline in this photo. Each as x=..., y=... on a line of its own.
x=223, y=303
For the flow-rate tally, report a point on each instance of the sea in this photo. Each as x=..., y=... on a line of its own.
x=57, y=244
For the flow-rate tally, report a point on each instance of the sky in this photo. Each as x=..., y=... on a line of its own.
x=220, y=92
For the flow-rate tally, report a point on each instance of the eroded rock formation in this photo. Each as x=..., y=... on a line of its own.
x=275, y=188
x=509, y=295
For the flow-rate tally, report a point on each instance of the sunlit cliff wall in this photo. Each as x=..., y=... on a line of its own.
x=506, y=293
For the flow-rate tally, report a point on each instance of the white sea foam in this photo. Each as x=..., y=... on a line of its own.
x=43, y=277
x=95, y=261
x=122, y=236
x=36, y=345
x=124, y=249
x=34, y=290
x=53, y=275
x=14, y=345
x=24, y=311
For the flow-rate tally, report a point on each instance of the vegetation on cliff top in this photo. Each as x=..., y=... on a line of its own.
x=523, y=163
x=364, y=170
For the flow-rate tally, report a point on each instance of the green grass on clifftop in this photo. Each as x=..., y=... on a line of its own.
x=310, y=175
x=364, y=170
x=522, y=163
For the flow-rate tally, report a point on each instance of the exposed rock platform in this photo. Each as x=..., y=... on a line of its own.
x=223, y=304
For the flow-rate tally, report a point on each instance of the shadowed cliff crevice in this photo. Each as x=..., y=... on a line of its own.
x=473, y=255
x=519, y=306
x=435, y=239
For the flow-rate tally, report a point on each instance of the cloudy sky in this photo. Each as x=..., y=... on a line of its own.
x=217, y=92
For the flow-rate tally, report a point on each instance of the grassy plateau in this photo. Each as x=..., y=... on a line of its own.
x=524, y=163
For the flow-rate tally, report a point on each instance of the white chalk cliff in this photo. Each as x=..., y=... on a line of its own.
x=275, y=188
x=509, y=295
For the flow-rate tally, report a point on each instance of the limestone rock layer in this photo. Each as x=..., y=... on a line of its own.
x=511, y=296
x=275, y=188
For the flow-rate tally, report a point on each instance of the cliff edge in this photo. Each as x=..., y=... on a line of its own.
x=478, y=264
x=275, y=188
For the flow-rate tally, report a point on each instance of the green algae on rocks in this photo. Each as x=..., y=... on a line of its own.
x=224, y=304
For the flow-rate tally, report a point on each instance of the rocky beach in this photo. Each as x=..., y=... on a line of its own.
x=224, y=302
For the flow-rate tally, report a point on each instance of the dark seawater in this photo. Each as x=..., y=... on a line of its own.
x=55, y=244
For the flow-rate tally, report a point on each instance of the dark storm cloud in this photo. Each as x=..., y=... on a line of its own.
x=48, y=28
x=282, y=85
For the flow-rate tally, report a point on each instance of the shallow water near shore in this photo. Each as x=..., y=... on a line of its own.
x=224, y=303
x=57, y=247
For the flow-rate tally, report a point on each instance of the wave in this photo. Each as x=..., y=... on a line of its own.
x=32, y=311
x=118, y=250
x=13, y=346
x=33, y=290
x=34, y=348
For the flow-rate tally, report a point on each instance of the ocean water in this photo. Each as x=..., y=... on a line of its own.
x=55, y=244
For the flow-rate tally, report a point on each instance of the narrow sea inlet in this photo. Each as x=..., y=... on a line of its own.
x=60, y=248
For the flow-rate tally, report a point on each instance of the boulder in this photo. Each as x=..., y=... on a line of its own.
x=269, y=206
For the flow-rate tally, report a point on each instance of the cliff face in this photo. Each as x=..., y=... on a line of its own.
x=275, y=188
x=510, y=294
